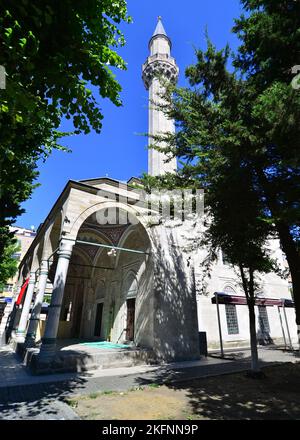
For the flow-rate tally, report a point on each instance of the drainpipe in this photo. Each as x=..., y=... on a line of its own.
x=287, y=325
x=219, y=325
x=283, y=333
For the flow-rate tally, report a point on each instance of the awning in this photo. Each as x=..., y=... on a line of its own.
x=224, y=298
x=22, y=292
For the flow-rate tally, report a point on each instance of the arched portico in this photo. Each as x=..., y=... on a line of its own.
x=122, y=280
x=92, y=301
x=129, y=215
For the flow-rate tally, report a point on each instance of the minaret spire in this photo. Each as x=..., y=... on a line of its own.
x=159, y=63
x=159, y=30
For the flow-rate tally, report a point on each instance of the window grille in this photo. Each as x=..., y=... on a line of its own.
x=232, y=321
x=263, y=319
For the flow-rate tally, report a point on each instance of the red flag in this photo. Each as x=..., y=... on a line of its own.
x=22, y=292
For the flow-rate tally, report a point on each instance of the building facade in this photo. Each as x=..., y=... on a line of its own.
x=120, y=272
x=24, y=239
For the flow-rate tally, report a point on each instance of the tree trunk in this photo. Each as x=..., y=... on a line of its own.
x=293, y=258
x=248, y=286
x=253, y=340
x=288, y=245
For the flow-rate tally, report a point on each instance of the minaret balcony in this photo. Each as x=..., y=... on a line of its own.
x=159, y=65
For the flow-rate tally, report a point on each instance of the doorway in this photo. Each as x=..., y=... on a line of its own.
x=77, y=315
x=98, y=320
x=130, y=319
x=111, y=320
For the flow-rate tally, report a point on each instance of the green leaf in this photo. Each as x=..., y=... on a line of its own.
x=4, y=108
x=22, y=42
x=18, y=118
x=8, y=32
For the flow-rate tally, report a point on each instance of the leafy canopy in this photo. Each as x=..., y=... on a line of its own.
x=9, y=264
x=238, y=131
x=51, y=51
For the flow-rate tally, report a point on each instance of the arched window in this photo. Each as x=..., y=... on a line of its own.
x=100, y=291
x=230, y=290
x=130, y=286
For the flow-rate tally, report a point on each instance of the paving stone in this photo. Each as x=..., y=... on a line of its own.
x=23, y=396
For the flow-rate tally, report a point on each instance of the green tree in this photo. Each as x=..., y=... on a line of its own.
x=9, y=264
x=270, y=51
x=237, y=226
x=51, y=51
x=249, y=118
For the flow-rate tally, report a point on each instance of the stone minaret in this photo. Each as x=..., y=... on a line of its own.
x=159, y=63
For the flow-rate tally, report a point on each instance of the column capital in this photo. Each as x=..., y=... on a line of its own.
x=44, y=267
x=32, y=277
x=65, y=248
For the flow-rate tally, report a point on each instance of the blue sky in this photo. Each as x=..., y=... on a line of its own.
x=120, y=151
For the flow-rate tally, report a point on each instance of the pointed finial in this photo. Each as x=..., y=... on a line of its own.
x=159, y=30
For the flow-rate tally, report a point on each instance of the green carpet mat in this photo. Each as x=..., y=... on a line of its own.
x=104, y=344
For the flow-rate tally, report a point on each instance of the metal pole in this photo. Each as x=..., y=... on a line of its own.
x=287, y=326
x=283, y=333
x=219, y=325
x=52, y=254
x=111, y=247
x=90, y=265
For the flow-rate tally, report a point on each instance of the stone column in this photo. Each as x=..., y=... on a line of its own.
x=14, y=316
x=48, y=346
x=35, y=315
x=20, y=333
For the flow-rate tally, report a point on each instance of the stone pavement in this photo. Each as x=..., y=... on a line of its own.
x=23, y=396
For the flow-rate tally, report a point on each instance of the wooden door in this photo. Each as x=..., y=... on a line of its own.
x=77, y=315
x=98, y=321
x=130, y=319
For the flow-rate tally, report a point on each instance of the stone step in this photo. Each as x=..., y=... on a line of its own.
x=78, y=361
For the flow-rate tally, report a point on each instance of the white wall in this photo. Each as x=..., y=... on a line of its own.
x=222, y=275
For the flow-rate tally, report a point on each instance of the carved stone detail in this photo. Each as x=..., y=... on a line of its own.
x=159, y=68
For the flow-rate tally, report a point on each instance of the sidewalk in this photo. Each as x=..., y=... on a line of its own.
x=13, y=373
x=44, y=395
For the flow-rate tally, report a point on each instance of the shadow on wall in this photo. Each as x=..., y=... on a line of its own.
x=263, y=332
x=264, y=337
x=175, y=320
x=145, y=308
